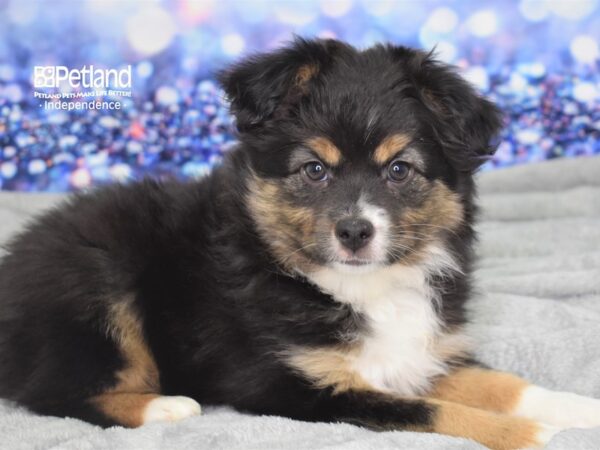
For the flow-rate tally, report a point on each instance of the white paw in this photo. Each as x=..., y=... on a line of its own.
x=545, y=434
x=561, y=409
x=170, y=409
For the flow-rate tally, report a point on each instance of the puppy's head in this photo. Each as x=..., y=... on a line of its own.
x=359, y=159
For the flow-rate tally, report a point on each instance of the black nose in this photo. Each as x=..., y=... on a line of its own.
x=354, y=233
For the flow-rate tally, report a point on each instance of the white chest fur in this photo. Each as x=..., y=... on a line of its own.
x=401, y=351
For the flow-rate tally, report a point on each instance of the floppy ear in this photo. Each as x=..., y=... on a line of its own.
x=466, y=123
x=268, y=86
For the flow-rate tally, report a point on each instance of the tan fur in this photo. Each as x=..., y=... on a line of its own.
x=305, y=74
x=390, y=146
x=123, y=407
x=331, y=367
x=442, y=207
x=496, y=431
x=326, y=150
x=334, y=366
x=453, y=345
x=140, y=373
x=440, y=212
x=138, y=382
x=480, y=388
x=281, y=223
x=328, y=367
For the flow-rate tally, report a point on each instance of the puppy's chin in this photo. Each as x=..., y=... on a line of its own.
x=341, y=268
x=357, y=269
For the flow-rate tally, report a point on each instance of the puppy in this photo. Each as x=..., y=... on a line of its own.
x=320, y=273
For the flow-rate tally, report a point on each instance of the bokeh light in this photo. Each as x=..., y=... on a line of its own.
x=336, y=8
x=478, y=76
x=197, y=11
x=232, y=44
x=584, y=49
x=534, y=10
x=442, y=20
x=296, y=13
x=483, y=23
x=585, y=92
x=572, y=9
x=150, y=30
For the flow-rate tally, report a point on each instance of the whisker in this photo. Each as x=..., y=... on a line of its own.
x=287, y=257
x=439, y=227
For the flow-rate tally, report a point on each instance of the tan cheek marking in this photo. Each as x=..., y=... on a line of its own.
x=141, y=373
x=326, y=150
x=441, y=210
x=496, y=431
x=480, y=388
x=328, y=367
x=441, y=207
x=389, y=147
x=445, y=205
x=125, y=408
x=280, y=223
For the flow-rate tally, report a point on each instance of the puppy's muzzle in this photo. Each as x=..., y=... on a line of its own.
x=354, y=233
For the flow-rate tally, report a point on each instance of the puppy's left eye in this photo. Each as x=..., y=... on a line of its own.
x=398, y=171
x=315, y=171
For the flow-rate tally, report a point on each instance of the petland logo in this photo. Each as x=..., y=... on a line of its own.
x=86, y=77
x=71, y=84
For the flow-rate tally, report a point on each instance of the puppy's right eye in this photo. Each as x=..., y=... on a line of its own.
x=398, y=171
x=315, y=172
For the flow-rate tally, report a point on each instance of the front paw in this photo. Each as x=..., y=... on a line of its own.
x=560, y=409
x=544, y=435
x=170, y=409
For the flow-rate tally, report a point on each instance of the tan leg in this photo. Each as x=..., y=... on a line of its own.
x=496, y=431
x=509, y=394
x=381, y=411
x=124, y=408
x=481, y=388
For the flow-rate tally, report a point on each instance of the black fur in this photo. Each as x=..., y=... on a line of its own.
x=216, y=306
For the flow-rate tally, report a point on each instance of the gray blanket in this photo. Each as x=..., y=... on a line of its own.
x=537, y=313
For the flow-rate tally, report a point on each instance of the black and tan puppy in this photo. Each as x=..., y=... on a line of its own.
x=320, y=273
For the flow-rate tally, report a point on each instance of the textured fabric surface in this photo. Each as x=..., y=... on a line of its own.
x=536, y=313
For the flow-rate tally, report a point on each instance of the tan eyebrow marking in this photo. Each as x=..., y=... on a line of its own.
x=390, y=146
x=326, y=150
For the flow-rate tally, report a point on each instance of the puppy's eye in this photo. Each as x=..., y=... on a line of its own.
x=398, y=171
x=315, y=171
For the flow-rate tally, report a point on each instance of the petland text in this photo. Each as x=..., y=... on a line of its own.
x=86, y=77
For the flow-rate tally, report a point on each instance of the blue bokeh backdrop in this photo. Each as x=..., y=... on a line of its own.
x=538, y=59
